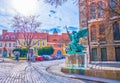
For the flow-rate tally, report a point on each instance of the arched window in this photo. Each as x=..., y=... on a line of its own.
x=92, y=11
x=102, y=32
x=112, y=4
x=93, y=33
x=116, y=31
x=100, y=10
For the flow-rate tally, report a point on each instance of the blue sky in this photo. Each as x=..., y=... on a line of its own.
x=51, y=17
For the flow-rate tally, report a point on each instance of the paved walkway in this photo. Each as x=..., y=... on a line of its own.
x=36, y=72
x=42, y=72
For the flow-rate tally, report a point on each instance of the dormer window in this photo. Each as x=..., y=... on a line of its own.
x=6, y=37
x=13, y=37
x=54, y=40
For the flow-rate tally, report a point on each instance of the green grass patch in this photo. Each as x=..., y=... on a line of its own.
x=20, y=58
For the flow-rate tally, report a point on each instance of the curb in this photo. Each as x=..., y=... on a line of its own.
x=51, y=70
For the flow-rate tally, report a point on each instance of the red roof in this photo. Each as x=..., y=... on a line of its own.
x=65, y=36
x=55, y=38
x=33, y=35
x=9, y=36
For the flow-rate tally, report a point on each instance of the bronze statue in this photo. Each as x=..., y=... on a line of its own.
x=74, y=46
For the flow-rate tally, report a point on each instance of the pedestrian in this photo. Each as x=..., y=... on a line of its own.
x=4, y=54
x=28, y=56
x=16, y=54
x=9, y=54
x=33, y=56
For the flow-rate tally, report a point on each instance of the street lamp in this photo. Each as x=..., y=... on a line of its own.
x=89, y=54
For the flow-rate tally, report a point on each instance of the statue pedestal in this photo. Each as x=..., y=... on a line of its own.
x=76, y=60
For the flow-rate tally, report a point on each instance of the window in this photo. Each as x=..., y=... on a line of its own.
x=24, y=43
x=112, y=4
x=0, y=44
x=94, y=54
x=13, y=37
x=59, y=45
x=117, y=53
x=38, y=43
x=5, y=44
x=33, y=42
x=103, y=54
x=9, y=44
x=14, y=44
x=0, y=51
x=92, y=11
x=93, y=33
x=102, y=33
x=43, y=43
x=100, y=10
x=116, y=31
x=0, y=36
x=6, y=37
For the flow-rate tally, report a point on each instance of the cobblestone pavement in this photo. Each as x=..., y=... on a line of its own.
x=34, y=72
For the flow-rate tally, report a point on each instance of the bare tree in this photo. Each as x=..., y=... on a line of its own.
x=26, y=28
x=57, y=3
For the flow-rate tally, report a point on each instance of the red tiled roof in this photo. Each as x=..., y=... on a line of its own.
x=33, y=35
x=65, y=36
x=9, y=36
x=54, y=38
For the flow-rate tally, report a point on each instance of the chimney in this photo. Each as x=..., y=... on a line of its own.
x=4, y=32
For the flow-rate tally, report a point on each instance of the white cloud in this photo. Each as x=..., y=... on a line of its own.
x=67, y=14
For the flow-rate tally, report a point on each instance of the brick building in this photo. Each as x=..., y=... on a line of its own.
x=104, y=38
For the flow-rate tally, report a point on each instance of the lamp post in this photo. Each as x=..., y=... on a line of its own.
x=89, y=53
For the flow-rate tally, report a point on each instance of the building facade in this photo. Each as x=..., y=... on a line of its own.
x=104, y=29
x=9, y=41
x=58, y=42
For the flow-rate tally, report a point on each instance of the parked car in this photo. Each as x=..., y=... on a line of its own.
x=47, y=57
x=38, y=58
x=60, y=56
x=53, y=57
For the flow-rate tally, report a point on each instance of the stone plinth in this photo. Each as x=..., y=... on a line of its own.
x=76, y=60
x=77, y=64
